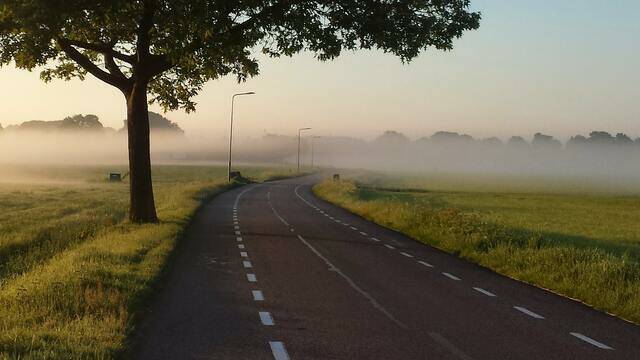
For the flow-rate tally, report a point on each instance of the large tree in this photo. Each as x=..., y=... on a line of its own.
x=163, y=51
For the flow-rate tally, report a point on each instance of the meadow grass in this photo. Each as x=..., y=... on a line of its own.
x=73, y=271
x=582, y=244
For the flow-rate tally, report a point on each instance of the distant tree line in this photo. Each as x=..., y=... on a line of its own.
x=539, y=140
x=157, y=123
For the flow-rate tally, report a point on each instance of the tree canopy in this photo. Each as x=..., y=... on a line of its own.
x=178, y=45
x=169, y=49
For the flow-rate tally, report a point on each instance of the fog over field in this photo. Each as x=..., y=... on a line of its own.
x=600, y=154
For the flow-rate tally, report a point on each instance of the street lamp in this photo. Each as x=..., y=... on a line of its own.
x=300, y=131
x=313, y=137
x=233, y=99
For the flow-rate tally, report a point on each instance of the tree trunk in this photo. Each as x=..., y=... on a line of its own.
x=142, y=206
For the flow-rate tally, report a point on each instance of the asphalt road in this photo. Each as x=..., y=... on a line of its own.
x=271, y=272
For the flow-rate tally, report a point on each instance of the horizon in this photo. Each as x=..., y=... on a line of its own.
x=527, y=137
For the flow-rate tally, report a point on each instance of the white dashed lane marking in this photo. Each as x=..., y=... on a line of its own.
x=354, y=228
x=252, y=278
x=266, y=319
x=239, y=239
x=278, y=350
x=486, y=292
x=240, y=246
x=425, y=263
x=451, y=276
x=238, y=233
x=236, y=227
x=257, y=295
x=407, y=255
x=375, y=239
x=591, y=341
x=363, y=233
x=389, y=247
x=247, y=264
x=528, y=312
x=244, y=254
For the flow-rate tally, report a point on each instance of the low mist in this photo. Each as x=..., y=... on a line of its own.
x=81, y=140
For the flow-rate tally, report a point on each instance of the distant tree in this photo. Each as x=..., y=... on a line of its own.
x=391, y=137
x=622, y=139
x=447, y=136
x=492, y=141
x=159, y=123
x=517, y=142
x=600, y=137
x=70, y=123
x=576, y=142
x=170, y=48
x=545, y=141
x=80, y=122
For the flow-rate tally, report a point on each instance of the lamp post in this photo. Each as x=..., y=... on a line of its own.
x=299, y=134
x=233, y=99
x=312, y=153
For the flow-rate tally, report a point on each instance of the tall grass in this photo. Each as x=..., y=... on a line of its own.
x=74, y=272
x=603, y=274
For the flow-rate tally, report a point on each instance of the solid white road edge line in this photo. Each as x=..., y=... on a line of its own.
x=235, y=204
x=278, y=350
x=353, y=284
x=278, y=215
x=591, y=341
x=528, y=312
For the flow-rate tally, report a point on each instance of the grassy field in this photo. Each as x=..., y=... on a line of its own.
x=73, y=271
x=578, y=237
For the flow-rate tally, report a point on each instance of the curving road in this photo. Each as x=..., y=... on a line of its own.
x=270, y=272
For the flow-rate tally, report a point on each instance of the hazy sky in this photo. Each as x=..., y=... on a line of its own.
x=560, y=67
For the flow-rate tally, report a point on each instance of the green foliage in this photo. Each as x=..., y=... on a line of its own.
x=178, y=45
x=74, y=271
x=585, y=247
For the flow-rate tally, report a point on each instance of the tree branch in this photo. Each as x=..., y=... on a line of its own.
x=113, y=68
x=102, y=48
x=90, y=67
x=272, y=11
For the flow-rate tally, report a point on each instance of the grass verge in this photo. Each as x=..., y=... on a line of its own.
x=554, y=250
x=73, y=271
